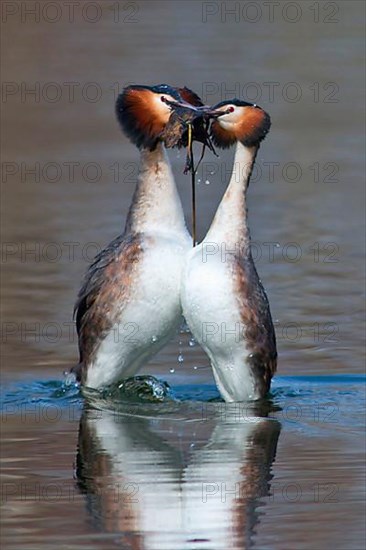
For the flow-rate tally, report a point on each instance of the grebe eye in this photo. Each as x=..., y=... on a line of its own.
x=231, y=109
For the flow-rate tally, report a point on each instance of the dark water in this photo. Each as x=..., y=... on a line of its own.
x=190, y=472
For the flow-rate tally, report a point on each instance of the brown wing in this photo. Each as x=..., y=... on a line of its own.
x=190, y=96
x=104, y=292
x=256, y=317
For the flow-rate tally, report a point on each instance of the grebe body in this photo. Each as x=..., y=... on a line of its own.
x=223, y=300
x=129, y=305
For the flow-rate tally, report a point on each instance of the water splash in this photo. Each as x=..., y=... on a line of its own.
x=69, y=379
x=140, y=388
x=334, y=400
x=47, y=392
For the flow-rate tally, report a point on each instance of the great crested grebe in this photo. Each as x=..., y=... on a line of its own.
x=223, y=300
x=129, y=304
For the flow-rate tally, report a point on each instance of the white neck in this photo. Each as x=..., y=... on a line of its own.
x=230, y=223
x=156, y=205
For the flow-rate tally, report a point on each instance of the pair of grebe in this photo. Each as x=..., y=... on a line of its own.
x=135, y=292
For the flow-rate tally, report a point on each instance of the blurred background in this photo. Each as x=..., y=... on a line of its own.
x=68, y=174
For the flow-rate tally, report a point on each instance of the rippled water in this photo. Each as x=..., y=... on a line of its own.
x=192, y=472
x=188, y=472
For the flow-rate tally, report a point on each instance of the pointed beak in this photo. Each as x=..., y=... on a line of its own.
x=213, y=113
x=174, y=105
x=204, y=111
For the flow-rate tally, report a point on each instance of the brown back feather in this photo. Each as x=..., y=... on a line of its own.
x=256, y=317
x=107, y=283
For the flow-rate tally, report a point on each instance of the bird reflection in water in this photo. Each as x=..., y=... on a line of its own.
x=158, y=487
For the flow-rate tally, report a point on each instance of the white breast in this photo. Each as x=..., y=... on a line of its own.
x=150, y=318
x=211, y=309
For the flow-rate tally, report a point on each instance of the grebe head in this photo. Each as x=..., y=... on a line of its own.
x=143, y=112
x=237, y=120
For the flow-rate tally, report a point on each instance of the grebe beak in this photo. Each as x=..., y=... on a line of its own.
x=204, y=111
x=183, y=107
x=214, y=113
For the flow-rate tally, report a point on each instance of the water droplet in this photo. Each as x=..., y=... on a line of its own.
x=192, y=342
x=69, y=378
x=183, y=327
x=277, y=245
x=199, y=180
x=172, y=370
x=195, y=367
x=154, y=338
x=207, y=182
x=180, y=358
